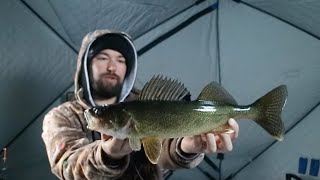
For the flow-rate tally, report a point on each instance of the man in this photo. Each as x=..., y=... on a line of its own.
x=107, y=66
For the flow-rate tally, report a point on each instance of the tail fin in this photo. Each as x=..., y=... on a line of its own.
x=271, y=106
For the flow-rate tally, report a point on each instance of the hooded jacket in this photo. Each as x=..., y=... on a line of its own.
x=75, y=153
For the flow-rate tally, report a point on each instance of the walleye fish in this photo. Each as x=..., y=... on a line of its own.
x=160, y=113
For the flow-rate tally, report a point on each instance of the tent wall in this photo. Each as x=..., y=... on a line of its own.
x=36, y=67
x=27, y=158
x=189, y=56
x=33, y=67
x=283, y=158
x=32, y=51
x=257, y=54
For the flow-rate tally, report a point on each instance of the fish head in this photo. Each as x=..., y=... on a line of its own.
x=98, y=117
x=106, y=118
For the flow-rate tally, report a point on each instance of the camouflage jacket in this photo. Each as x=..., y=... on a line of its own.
x=74, y=154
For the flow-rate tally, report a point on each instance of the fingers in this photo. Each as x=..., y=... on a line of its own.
x=221, y=142
x=211, y=145
x=226, y=142
x=234, y=125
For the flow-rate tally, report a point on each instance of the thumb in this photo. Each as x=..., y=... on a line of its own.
x=191, y=144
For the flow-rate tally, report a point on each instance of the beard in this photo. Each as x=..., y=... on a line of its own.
x=104, y=89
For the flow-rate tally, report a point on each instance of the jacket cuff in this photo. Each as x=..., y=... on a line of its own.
x=113, y=166
x=114, y=163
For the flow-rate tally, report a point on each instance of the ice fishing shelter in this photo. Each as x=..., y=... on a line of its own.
x=248, y=46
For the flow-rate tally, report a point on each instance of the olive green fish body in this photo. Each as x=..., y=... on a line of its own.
x=160, y=112
x=168, y=119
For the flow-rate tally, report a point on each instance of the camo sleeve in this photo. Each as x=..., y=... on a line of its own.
x=173, y=158
x=71, y=152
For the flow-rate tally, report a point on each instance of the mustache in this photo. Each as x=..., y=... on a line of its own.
x=113, y=75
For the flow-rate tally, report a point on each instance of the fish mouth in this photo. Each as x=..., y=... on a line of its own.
x=88, y=118
x=86, y=114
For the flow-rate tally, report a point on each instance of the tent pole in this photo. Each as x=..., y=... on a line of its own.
x=176, y=29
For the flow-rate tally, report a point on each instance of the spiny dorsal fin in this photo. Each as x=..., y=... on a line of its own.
x=214, y=92
x=159, y=88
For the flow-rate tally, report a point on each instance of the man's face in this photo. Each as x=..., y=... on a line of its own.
x=108, y=70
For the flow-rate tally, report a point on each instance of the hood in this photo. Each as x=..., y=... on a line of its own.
x=119, y=40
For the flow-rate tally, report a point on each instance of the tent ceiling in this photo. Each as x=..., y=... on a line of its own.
x=63, y=24
x=73, y=19
x=302, y=14
x=70, y=20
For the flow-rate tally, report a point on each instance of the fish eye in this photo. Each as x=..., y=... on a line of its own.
x=97, y=111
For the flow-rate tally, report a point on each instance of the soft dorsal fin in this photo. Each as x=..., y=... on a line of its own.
x=214, y=92
x=159, y=88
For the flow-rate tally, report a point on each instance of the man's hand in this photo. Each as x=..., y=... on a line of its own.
x=210, y=143
x=115, y=148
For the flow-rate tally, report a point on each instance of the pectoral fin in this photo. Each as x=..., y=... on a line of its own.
x=135, y=144
x=152, y=148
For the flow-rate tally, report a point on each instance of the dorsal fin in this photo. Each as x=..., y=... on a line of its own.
x=214, y=92
x=159, y=88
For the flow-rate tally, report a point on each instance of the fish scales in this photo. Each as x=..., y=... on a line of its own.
x=163, y=118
